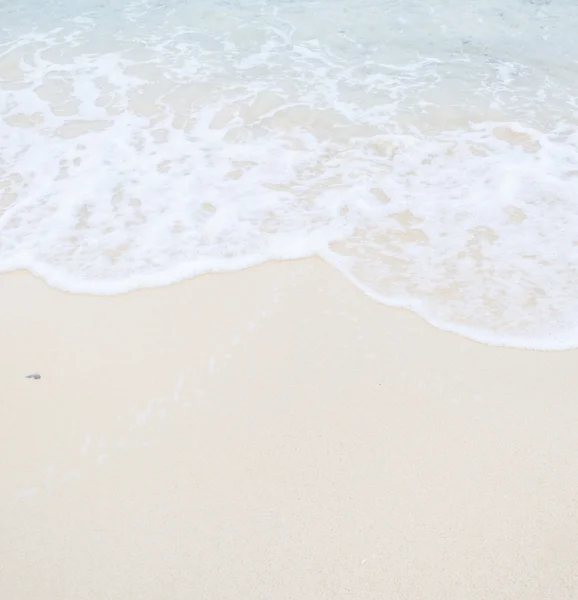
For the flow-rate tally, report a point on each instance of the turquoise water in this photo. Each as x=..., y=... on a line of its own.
x=428, y=150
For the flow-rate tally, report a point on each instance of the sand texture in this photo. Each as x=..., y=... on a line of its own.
x=274, y=434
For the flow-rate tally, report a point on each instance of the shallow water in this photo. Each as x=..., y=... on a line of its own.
x=429, y=150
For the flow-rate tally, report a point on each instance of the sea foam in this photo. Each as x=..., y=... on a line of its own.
x=428, y=152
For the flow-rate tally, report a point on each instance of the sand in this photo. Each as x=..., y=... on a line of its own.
x=275, y=434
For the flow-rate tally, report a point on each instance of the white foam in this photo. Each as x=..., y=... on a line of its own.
x=429, y=155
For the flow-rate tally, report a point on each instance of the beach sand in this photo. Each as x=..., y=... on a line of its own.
x=274, y=434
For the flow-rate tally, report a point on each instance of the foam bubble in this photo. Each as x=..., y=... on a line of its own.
x=428, y=154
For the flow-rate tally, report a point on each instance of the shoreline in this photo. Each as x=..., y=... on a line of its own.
x=416, y=306
x=274, y=433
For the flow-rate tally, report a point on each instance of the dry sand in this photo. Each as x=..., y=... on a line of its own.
x=274, y=434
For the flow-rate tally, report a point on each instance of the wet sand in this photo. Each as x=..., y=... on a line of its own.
x=275, y=434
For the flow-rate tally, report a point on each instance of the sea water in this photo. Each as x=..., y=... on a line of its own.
x=428, y=149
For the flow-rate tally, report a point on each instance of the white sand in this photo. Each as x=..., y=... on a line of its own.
x=274, y=434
